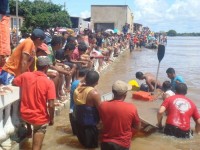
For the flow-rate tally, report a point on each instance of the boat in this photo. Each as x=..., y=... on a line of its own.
x=147, y=111
x=151, y=45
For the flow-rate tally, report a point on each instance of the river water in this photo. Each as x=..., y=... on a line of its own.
x=182, y=53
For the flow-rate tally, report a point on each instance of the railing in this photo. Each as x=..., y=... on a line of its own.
x=9, y=115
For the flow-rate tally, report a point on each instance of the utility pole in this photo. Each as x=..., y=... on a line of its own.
x=64, y=6
x=17, y=22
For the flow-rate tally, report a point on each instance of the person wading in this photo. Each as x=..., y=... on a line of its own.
x=118, y=119
x=87, y=100
x=37, y=90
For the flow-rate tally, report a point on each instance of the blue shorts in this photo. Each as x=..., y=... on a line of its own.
x=6, y=78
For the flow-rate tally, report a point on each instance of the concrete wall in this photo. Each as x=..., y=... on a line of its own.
x=117, y=14
x=79, y=23
x=130, y=19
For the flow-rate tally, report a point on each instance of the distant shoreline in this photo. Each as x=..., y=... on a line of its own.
x=185, y=36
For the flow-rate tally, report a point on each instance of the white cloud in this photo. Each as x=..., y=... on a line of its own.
x=85, y=14
x=181, y=15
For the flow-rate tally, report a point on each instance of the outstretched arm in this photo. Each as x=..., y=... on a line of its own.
x=160, y=116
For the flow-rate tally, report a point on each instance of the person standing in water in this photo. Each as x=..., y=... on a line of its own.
x=87, y=100
x=118, y=119
x=166, y=87
x=179, y=110
x=174, y=78
x=37, y=100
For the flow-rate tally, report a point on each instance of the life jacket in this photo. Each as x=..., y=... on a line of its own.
x=142, y=95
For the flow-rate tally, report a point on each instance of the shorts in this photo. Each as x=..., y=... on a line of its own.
x=40, y=128
x=87, y=135
x=112, y=146
x=6, y=78
x=175, y=131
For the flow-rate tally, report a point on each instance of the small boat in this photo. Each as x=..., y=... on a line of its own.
x=147, y=127
x=151, y=46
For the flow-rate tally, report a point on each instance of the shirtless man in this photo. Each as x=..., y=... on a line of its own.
x=150, y=80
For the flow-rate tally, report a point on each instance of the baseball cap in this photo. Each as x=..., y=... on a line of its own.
x=120, y=87
x=43, y=61
x=45, y=48
x=39, y=34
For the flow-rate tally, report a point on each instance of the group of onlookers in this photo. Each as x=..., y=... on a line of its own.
x=44, y=72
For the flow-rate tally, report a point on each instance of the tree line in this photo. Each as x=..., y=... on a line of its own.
x=40, y=14
x=174, y=33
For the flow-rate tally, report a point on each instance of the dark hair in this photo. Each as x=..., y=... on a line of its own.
x=166, y=86
x=25, y=35
x=79, y=36
x=139, y=75
x=181, y=88
x=71, y=39
x=57, y=40
x=69, y=46
x=82, y=47
x=40, y=68
x=63, y=33
x=33, y=37
x=82, y=72
x=170, y=70
x=91, y=78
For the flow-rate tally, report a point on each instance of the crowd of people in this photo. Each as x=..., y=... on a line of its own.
x=47, y=71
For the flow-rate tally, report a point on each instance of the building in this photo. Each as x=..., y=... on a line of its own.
x=137, y=27
x=14, y=24
x=80, y=23
x=111, y=17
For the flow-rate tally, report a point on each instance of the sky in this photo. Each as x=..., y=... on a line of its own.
x=159, y=15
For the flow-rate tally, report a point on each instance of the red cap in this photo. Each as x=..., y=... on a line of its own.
x=45, y=48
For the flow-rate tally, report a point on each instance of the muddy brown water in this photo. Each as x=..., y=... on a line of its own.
x=182, y=53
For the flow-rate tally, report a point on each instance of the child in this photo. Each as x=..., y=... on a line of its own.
x=167, y=90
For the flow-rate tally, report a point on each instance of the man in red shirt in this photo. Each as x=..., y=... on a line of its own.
x=22, y=58
x=179, y=111
x=37, y=90
x=118, y=119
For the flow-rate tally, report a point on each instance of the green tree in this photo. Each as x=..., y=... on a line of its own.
x=171, y=33
x=40, y=14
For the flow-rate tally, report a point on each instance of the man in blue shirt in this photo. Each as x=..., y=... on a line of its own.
x=174, y=78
